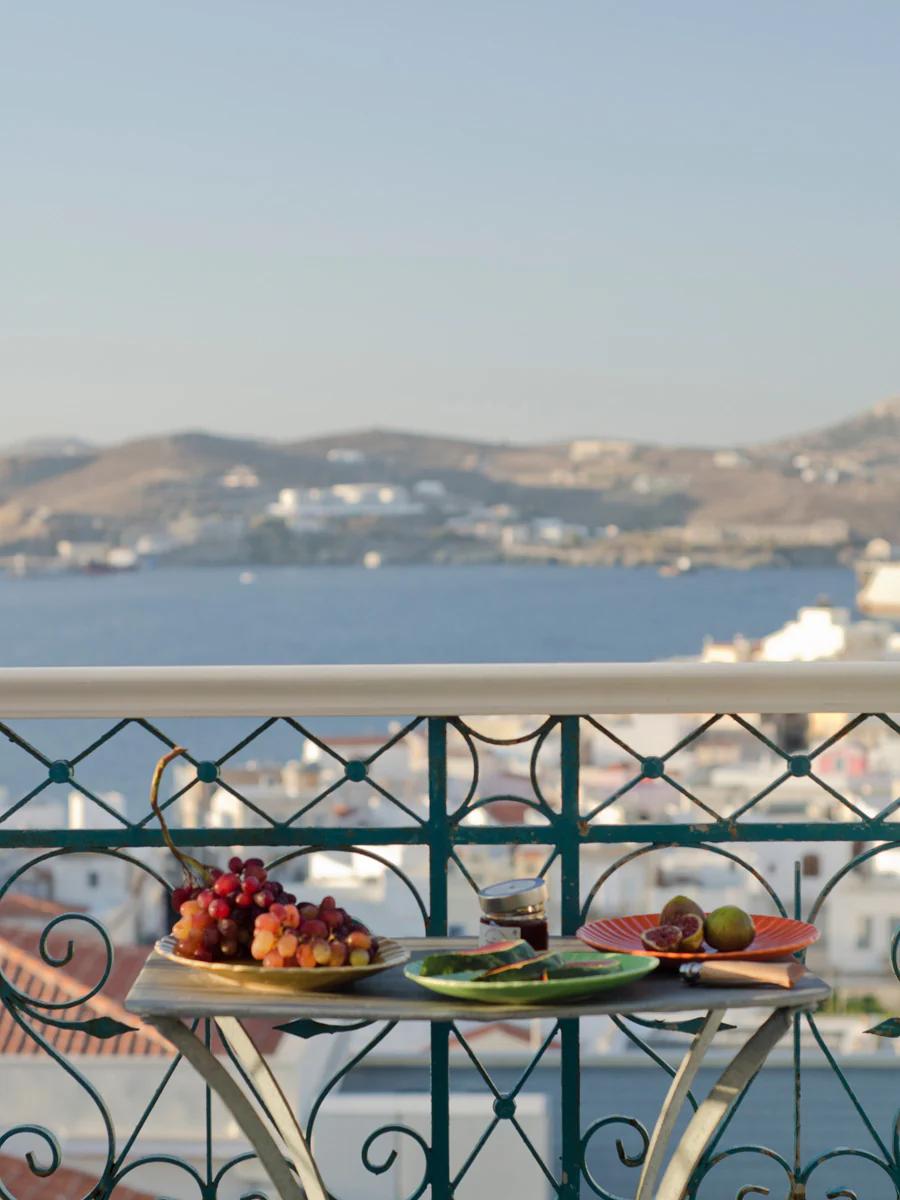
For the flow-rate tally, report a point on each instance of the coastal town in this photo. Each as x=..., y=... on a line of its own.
x=378, y=498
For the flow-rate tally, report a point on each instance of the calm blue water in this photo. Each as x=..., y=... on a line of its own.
x=399, y=614
x=347, y=615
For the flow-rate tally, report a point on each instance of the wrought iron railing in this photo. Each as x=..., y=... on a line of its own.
x=558, y=818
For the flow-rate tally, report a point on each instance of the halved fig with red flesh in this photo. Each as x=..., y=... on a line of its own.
x=665, y=938
x=691, y=927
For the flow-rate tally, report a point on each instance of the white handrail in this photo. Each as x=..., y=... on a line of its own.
x=444, y=690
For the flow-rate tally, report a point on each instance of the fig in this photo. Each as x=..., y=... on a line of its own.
x=677, y=907
x=664, y=938
x=729, y=928
x=691, y=927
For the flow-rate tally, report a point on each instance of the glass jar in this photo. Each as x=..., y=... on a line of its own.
x=514, y=909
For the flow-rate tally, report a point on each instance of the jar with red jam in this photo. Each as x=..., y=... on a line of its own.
x=514, y=909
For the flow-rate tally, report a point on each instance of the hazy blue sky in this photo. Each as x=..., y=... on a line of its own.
x=507, y=218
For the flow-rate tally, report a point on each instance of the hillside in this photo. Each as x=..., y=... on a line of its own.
x=848, y=472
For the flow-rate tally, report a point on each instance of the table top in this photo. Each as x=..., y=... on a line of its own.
x=169, y=989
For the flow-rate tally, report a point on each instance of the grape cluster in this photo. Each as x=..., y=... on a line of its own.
x=242, y=914
x=309, y=935
x=216, y=921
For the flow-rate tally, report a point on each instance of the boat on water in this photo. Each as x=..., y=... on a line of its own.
x=681, y=566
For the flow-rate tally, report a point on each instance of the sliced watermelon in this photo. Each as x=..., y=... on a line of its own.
x=549, y=965
x=577, y=968
x=537, y=967
x=483, y=958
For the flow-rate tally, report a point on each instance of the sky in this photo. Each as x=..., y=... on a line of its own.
x=510, y=219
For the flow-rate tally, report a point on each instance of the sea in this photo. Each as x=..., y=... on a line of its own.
x=395, y=614
x=430, y=614
x=196, y=616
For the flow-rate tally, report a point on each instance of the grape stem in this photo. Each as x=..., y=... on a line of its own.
x=194, y=870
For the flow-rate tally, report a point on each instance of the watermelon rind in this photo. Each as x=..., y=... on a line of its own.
x=481, y=959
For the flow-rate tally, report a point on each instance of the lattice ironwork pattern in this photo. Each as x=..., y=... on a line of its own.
x=583, y=816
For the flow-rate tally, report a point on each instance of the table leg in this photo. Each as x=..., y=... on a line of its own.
x=243, y=1110
x=282, y=1113
x=715, y=1107
x=672, y=1105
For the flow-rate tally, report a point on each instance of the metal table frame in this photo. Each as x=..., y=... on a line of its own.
x=166, y=994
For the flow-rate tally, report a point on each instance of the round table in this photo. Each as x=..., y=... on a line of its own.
x=166, y=994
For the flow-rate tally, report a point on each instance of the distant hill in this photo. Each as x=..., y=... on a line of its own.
x=62, y=487
x=876, y=428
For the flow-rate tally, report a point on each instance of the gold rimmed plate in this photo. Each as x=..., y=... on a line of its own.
x=291, y=979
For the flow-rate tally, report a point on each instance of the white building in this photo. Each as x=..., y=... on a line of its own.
x=240, y=476
x=345, y=455
x=345, y=500
x=819, y=631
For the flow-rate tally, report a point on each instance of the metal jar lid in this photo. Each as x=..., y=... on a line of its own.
x=513, y=895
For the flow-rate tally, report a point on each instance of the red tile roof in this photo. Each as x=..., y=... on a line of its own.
x=29, y=974
x=18, y=906
x=64, y=1184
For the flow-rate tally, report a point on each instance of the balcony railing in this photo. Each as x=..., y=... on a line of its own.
x=580, y=791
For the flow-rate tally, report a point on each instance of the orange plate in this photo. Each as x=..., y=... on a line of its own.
x=776, y=937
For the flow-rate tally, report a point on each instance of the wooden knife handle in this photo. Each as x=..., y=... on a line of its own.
x=736, y=971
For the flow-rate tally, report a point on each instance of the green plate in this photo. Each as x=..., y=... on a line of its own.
x=537, y=991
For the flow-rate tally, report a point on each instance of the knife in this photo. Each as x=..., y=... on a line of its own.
x=736, y=971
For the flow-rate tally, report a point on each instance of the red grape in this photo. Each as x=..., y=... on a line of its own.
x=250, y=885
x=338, y=954
x=263, y=941
x=226, y=884
x=286, y=945
x=179, y=895
x=243, y=900
x=219, y=908
x=236, y=865
x=321, y=952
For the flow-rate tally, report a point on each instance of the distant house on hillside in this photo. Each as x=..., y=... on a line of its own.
x=344, y=500
x=240, y=476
